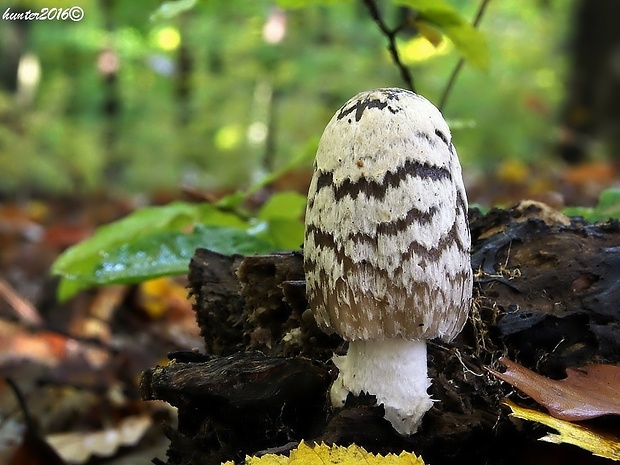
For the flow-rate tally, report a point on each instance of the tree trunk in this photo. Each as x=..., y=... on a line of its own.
x=592, y=110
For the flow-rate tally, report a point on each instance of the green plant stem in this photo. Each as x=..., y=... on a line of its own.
x=457, y=69
x=391, y=36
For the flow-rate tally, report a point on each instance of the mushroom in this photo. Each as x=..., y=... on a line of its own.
x=387, y=247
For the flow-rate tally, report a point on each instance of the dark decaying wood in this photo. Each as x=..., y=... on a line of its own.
x=546, y=295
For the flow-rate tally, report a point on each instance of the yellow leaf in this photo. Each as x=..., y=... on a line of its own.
x=570, y=433
x=155, y=295
x=325, y=455
x=429, y=33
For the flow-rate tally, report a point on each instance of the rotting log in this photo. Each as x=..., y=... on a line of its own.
x=546, y=293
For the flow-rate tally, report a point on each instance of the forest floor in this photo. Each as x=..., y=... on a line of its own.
x=78, y=364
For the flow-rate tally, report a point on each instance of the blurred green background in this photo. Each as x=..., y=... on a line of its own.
x=127, y=100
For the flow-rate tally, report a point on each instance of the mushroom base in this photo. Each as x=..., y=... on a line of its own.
x=394, y=371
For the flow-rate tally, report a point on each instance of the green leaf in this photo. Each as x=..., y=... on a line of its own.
x=289, y=205
x=67, y=288
x=79, y=262
x=284, y=233
x=583, y=212
x=280, y=220
x=609, y=202
x=608, y=207
x=168, y=10
x=169, y=253
x=470, y=42
x=77, y=258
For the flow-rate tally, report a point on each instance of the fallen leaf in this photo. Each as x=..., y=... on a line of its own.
x=18, y=344
x=157, y=296
x=77, y=448
x=586, y=392
x=593, y=173
x=325, y=455
x=570, y=433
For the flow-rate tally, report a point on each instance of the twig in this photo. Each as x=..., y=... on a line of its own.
x=391, y=35
x=24, y=309
x=461, y=62
x=30, y=424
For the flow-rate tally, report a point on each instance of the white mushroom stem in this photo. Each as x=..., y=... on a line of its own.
x=394, y=371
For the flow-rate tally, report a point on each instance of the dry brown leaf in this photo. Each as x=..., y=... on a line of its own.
x=586, y=392
x=46, y=347
x=600, y=173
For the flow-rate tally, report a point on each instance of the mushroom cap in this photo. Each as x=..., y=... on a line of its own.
x=387, y=242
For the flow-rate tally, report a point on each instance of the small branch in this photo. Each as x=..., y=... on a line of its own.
x=457, y=69
x=30, y=424
x=391, y=35
x=23, y=308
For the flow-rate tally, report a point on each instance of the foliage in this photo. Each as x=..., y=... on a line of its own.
x=159, y=241
x=295, y=83
x=470, y=42
x=219, y=135
x=608, y=207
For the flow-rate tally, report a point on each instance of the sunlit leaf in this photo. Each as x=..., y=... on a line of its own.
x=429, y=33
x=78, y=264
x=168, y=253
x=82, y=256
x=468, y=40
x=284, y=233
x=174, y=215
x=570, y=433
x=322, y=454
x=280, y=220
x=283, y=205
